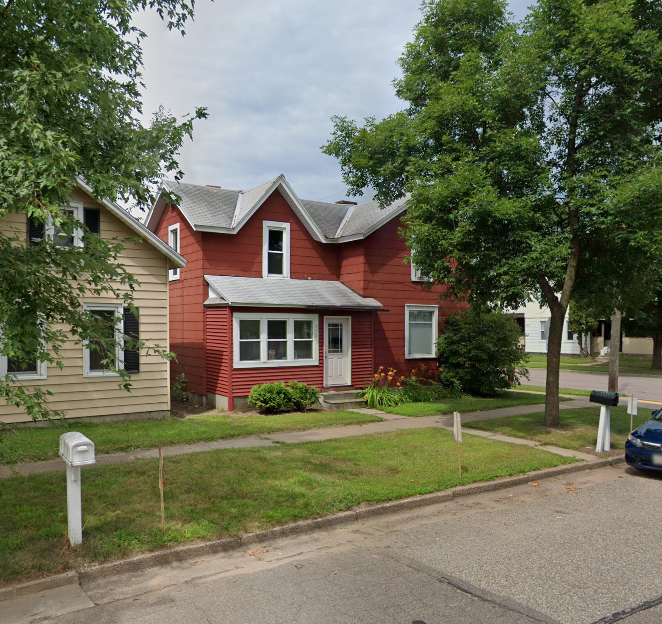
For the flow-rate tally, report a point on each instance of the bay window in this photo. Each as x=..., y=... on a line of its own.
x=273, y=339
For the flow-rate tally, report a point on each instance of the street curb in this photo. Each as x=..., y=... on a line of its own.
x=192, y=551
x=34, y=587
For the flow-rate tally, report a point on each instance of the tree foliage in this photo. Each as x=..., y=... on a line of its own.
x=70, y=105
x=531, y=152
x=481, y=352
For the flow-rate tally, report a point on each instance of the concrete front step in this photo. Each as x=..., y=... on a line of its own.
x=341, y=399
x=344, y=405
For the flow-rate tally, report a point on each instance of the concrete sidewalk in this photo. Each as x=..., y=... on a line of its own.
x=389, y=422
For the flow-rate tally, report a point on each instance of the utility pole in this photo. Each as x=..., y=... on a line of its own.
x=614, y=351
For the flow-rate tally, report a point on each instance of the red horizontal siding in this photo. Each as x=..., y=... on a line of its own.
x=243, y=379
x=218, y=356
x=241, y=254
x=186, y=296
x=352, y=265
x=388, y=279
x=362, y=355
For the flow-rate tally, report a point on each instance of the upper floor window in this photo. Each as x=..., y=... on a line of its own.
x=416, y=275
x=173, y=241
x=62, y=236
x=275, y=249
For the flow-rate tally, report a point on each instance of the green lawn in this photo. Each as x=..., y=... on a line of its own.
x=561, y=390
x=35, y=444
x=465, y=404
x=231, y=492
x=579, y=427
x=629, y=364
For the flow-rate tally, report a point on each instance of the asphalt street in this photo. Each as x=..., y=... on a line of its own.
x=641, y=386
x=575, y=550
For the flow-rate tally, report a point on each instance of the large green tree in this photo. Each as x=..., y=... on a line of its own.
x=531, y=151
x=70, y=105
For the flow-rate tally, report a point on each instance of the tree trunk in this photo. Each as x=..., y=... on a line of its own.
x=657, y=351
x=553, y=365
x=614, y=351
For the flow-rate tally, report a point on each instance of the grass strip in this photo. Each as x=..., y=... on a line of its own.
x=465, y=404
x=231, y=492
x=578, y=427
x=572, y=391
x=33, y=444
x=629, y=364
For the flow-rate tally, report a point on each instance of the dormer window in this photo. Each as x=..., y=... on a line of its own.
x=276, y=249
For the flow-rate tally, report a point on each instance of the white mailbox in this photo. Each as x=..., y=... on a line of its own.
x=76, y=449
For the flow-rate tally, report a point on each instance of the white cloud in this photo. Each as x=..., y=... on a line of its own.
x=272, y=74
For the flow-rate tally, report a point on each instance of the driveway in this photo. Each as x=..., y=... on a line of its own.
x=567, y=550
x=637, y=385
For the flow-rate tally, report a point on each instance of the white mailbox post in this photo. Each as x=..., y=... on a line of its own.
x=76, y=450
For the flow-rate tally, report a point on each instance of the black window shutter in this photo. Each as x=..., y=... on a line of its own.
x=92, y=219
x=36, y=231
x=132, y=330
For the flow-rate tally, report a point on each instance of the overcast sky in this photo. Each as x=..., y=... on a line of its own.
x=272, y=73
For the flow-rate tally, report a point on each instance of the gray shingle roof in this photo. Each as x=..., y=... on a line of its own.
x=206, y=205
x=212, y=207
x=328, y=217
x=251, y=197
x=266, y=291
x=365, y=217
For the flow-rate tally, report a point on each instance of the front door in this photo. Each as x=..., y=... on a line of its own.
x=337, y=351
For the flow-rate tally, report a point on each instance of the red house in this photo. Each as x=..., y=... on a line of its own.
x=277, y=288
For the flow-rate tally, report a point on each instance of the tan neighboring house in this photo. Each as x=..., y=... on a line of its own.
x=81, y=389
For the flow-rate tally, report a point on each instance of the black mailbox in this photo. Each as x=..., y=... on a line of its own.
x=604, y=398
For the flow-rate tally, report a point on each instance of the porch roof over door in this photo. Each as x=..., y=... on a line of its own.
x=285, y=293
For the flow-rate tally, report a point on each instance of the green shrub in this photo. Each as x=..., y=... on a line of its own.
x=178, y=390
x=303, y=396
x=277, y=397
x=383, y=396
x=386, y=389
x=480, y=352
x=270, y=397
x=416, y=392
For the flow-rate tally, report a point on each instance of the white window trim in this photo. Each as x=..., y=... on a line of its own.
x=78, y=211
x=435, y=330
x=275, y=225
x=415, y=271
x=543, y=330
x=173, y=274
x=416, y=274
x=118, y=308
x=264, y=361
x=42, y=371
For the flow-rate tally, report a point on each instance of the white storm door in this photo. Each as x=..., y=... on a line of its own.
x=337, y=351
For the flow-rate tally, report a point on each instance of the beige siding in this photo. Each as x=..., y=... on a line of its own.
x=80, y=396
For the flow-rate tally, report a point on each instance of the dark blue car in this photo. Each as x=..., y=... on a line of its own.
x=643, y=449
